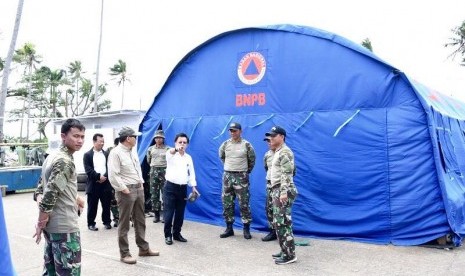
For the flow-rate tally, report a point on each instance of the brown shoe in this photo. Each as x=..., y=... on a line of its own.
x=128, y=259
x=148, y=253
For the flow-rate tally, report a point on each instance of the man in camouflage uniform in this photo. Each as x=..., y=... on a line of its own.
x=156, y=157
x=59, y=205
x=238, y=157
x=267, y=160
x=283, y=192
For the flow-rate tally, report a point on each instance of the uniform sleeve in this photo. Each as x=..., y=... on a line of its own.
x=40, y=188
x=149, y=155
x=55, y=185
x=265, y=163
x=286, y=161
x=221, y=152
x=250, y=157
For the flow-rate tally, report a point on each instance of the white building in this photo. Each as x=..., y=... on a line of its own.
x=107, y=123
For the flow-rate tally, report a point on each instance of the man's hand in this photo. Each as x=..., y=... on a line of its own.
x=38, y=235
x=38, y=199
x=39, y=228
x=283, y=199
x=194, y=189
x=102, y=179
x=80, y=201
x=125, y=191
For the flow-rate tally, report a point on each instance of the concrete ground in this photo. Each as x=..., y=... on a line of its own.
x=206, y=254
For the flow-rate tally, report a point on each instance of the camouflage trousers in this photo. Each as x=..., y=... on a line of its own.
x=157, y=180
x=114, y=206
x=282, y=221
x=62, y=254
x=269, y=207
x=236, y=184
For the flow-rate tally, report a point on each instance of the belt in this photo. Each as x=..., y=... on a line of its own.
x=169, y=182
x=138, y=185
x=235, y=172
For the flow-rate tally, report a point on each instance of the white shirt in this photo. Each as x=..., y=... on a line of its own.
x=180, y=169
x=99, y=162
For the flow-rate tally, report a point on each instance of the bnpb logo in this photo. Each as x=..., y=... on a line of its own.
x=251, y=68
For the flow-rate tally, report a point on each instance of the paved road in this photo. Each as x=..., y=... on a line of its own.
x=206, y=254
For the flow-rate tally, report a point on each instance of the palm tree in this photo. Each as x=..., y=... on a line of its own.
x=367, y=44
x=119, y=71
x=7, y=65
x=28, y=58
x=458, y=41
x=75, y=69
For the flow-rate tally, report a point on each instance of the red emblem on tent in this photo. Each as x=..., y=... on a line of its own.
x=251, y=68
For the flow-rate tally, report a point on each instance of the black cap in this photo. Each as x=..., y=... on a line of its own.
x=275, y=131
x=235, y=126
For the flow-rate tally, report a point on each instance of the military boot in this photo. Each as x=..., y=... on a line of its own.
x=247, y=235
x=270, y=237
x=156, y=218
x=229, y=231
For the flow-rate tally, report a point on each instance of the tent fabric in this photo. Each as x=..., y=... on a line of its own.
x=6, y=263
x=378, y=158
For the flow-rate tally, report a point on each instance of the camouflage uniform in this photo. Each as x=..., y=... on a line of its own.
x=156, y=157
x=282, y=183
x=267, y=161
x=236, y=183
x=62, y=252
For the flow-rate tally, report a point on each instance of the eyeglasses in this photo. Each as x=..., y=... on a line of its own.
x=182, y=142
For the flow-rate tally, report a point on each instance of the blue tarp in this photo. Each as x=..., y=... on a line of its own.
x=378, y=158
x=6, y=265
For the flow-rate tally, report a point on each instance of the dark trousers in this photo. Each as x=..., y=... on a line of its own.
x=103, y=194
x=174, y=203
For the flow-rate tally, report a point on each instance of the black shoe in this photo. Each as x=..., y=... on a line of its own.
x=107, y=226
x=270, y=237
x=277, y=255
x=92, y=228
x=116, y=222
x=179, y=238
x=168, y=240
x=156, y=217
x=228, y=232
x=285, y=260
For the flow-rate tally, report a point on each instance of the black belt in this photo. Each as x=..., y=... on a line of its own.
x=169, y=182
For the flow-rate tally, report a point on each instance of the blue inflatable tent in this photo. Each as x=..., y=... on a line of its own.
x=380, y=158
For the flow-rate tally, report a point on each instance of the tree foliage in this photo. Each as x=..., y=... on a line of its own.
x=367, y=44
x=458, y=42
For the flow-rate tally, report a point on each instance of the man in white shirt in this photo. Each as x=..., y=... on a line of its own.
x=179, y=173
x=97, y=187
x=125, y=176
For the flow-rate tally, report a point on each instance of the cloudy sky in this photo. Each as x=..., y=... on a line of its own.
x=152, y=36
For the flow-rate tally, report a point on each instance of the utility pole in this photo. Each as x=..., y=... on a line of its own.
x=98, y=60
